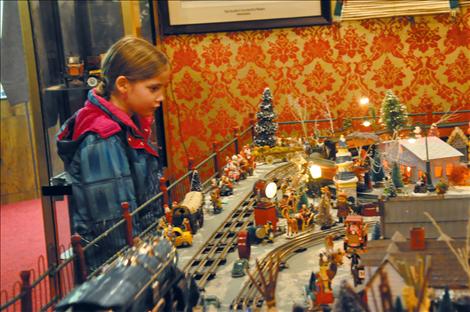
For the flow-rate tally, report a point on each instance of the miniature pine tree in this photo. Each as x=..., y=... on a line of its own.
x=446, y=304
x=196, y=185
x=396, y=176
x=398, y=305
x=265, y=128
x=347, y=300
x=390, y=190
x=376, y=233
x=393, y=113
x=377, y=170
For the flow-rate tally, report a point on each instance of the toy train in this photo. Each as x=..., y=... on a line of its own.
x=145, y=278
x=191, y=208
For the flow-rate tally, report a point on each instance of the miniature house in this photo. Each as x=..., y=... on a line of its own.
x=459, y=141
x=385, y=256
x=345, y=179
x=412, y=156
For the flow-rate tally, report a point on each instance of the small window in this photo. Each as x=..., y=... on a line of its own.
x=438, y=171
x=449, y=168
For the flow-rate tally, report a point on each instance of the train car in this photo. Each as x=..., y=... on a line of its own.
x=192, y=208
x=356, y=233
x=145, y=278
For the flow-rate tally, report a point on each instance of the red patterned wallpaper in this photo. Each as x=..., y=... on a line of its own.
x=219, y=77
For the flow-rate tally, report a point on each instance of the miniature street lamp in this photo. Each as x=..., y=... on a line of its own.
x=315, y=172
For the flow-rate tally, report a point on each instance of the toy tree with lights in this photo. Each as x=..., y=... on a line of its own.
x=265, y=128
x=196, y=182
x=393, y=113
x=396, y=176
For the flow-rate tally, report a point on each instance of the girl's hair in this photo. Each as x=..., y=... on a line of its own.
x=132, y=57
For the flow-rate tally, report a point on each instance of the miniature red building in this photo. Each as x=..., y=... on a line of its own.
x=264, y=212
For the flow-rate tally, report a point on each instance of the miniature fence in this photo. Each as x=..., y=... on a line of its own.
x=82, y=261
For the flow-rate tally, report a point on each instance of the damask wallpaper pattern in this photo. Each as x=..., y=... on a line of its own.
x=218, y=78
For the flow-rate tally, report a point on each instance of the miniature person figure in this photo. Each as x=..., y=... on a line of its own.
x=168, y=213
x=169, y=233
x=216, y=202
x=292, y=227
x=162, y=225
x=268, y=228
x=187, y=225
x=226, y=186
x=307, y=216
x=343, y=207
x=323, y=277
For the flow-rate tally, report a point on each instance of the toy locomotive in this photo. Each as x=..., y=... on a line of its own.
x=145, y=278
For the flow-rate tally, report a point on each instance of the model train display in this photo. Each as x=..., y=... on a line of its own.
x=145, y=278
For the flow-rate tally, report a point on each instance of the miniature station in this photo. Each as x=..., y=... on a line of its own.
x=374, y=224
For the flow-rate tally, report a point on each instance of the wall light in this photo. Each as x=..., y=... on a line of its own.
x=315, y=171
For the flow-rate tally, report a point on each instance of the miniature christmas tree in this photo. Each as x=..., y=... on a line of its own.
x=265, y=128
x=378, y=174
x=398, y=305
x=347, y=300
x=393, y=113
x=196, y=185
x=324, y=217
x=376, y=233
x=446, y=304
x=396, y=176
x=390, y=190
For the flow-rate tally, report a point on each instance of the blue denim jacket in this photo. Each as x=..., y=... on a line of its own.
x=109, y=159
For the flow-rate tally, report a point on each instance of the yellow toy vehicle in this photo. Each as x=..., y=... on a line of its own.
x=269, y=154
x=179, y=237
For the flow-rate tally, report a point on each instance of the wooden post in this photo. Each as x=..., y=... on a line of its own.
x=128, y=220
x=190, y=167
x=236, y=134
x=26, y=293
x=79, y=261
x=164, y=190
x=253, y=124
x=215, y=148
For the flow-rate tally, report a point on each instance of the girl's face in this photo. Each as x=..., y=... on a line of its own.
x=145, y=96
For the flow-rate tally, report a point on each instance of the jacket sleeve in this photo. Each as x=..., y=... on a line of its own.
x=103, y=183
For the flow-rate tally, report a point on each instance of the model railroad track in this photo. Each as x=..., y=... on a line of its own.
x=249, y=295
x=213, y=253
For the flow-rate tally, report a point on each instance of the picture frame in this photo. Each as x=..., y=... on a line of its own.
x=203, y=16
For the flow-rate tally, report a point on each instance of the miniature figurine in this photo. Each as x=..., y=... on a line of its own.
x=420, y=186
x=168, y=212
x=162, y=225
x=269, y=232
x=216, y=202
x=226, y=186
x=343, y=207
x=306, y=216
x=187, y=225
x=292, y=227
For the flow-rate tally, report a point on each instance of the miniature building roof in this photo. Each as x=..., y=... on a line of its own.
x=354, y=218
x=445, y=269
x=436, y=147
x=456, y=135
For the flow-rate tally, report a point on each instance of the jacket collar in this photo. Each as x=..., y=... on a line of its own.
x=121, y=117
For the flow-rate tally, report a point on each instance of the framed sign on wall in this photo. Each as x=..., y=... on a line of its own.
x=201, y=16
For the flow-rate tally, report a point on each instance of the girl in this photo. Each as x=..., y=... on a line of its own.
x=105, y=145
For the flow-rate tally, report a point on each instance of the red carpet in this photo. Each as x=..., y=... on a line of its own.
x=22, y=238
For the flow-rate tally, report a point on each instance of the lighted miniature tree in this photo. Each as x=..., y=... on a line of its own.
x=398, y=305
x=390, y=190
x=378, y=174
x=347, y=300
x=446, y=304
x=265, y=128
x=196, y=185
x=324, y=217
x=393, y=113
x=396, y=176
x=376, y=232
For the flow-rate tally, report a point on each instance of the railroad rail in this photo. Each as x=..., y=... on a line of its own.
x=249, y=294
x=213, y=253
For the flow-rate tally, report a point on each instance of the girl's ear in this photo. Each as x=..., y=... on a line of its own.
x=122, y=84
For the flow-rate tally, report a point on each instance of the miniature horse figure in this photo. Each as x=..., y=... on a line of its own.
x=292, y=227
x=334, y=259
